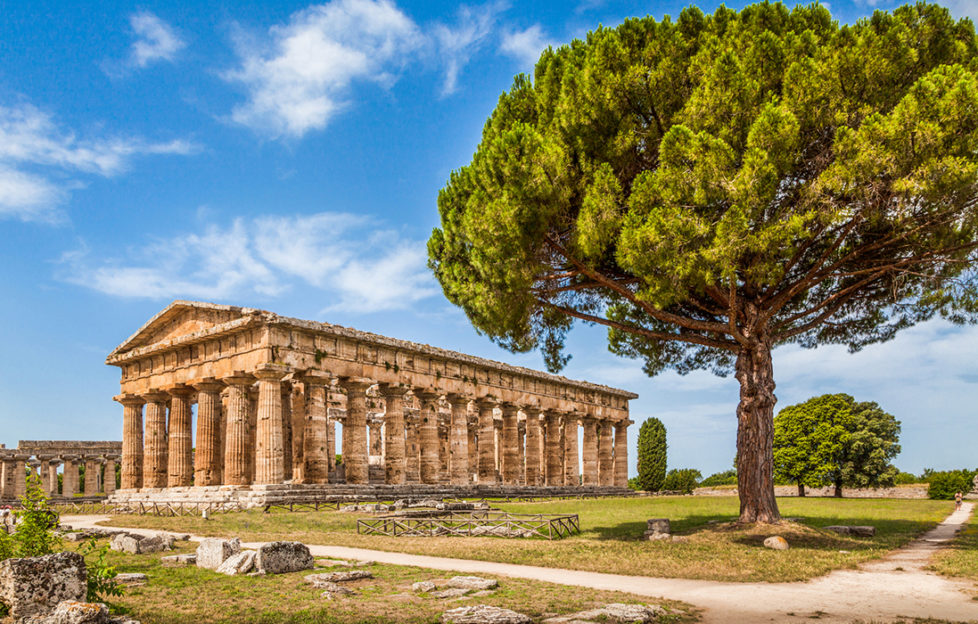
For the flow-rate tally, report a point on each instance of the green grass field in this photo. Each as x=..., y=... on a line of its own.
x=961, y=558
x=711, y=546
x=192, y=595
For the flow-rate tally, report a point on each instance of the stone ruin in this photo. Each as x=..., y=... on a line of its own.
x=43, y=457
x=270, y=390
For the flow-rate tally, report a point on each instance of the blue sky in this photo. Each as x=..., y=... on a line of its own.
x=287, y=156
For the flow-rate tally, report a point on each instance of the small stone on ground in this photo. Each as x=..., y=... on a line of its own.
x=283, y=557
x=472, y=582
x=424, y=586
x=451, y=592
x=484, y=614
x=131, y=578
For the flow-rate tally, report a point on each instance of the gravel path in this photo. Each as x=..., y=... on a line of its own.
x=896, y=586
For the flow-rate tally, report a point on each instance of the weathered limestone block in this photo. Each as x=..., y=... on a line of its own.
x=213, y=551
x=241, y=563
x=616, y=612
x=333, y=589
x=472, y=582
x=452, y=592
x=35, y=585
x=75, y=612
x=857, y=530
x=337, y=577
x=658, y=528
x=776, y=542
x=124, y=542
x=424, y=587
x=283, y=557
x=178, y=561
x=484, y=614
x=131, y=578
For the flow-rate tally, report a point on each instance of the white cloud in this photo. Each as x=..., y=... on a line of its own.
x=301, y=77
x=457, y=43
x=155, y=40
x=357, y=267
x=525, y=45
x=38, y=161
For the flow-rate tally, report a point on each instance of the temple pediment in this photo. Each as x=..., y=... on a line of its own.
x=180, y=319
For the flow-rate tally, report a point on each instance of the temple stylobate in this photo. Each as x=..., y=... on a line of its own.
x=269, y=391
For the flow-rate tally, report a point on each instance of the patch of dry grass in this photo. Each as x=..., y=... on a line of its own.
x=961, y=557
x=711, y=547
x=192, y=595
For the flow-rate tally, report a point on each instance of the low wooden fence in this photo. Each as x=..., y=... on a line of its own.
x=491, y=523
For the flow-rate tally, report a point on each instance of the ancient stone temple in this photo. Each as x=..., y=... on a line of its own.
x=96, y=460
x=270, y=391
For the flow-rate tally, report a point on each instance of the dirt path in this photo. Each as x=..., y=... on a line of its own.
x=893, y=587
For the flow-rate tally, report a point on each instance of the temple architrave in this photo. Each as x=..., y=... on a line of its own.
x=269, y=391
x=43, y=457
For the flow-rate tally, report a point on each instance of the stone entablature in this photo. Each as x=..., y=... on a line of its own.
x=43, y=457
x=269, y=391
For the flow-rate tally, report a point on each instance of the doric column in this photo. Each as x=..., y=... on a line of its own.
x=180, y=468
x=155, y=459
x=395, y=464
x=6, y=476
x=521, y=450
x=554, y=450
x=285, y=389
x=207, y=457
x=444, y=447
x=269, y=440
x=108, y=483
x=621, y=453
x=572, y=463
x=53, y=476
x=606, y=460
x=236, y=449
x=487, y=440
x=459, y=440
x=252, y=430
x=315, y=439
x=355, y=429
x=510, y=455
x=430, y=460
x=91, y=475
x=412, y=446
x=298, y=433
x=20, y=474
x=590, y=451
x=473, y=427
x=497, y=427
x=331, y=438
x=132, y=441
x=69, y=480
x=534, y=448
x=44, y=472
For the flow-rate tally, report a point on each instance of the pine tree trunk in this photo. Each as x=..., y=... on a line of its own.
x=838, y=489
x=755, y=434
x=801, y=489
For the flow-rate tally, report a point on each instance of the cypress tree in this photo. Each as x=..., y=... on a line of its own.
x=652, y=455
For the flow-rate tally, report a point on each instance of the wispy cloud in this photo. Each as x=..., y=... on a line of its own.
x=357, y=266
x=525, y=45
x=457, y=42
x=41, y=162
x=155, y=40
x=299, y=76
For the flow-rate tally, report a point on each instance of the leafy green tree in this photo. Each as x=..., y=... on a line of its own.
x=651, y=455
x=36, y=524
x=682, y=480
x=712, y=187
x=833, y=440
x=945, y=484
x=727, y=477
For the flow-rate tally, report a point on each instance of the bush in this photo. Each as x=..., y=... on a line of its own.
x=727, y=477
x=101, y=576
x=36, y=524
x=682, y=480
x=652, y=455
x=903, y=478
x=944, y=484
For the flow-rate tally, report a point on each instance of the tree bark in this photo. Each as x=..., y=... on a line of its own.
x=801, y=489
x=755, y=432
x=838, y=489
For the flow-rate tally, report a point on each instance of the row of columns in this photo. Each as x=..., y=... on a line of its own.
x=253, y=428
x=14, y=467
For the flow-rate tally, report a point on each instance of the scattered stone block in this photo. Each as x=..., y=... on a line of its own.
x=331, y=590
x=451, y=592
x=484, y=614
x=424, y=586
x=131, y=578
x=776, y=542
x=283, y=557
x=658, y=528
x=178, y=561
x=212, y=552
x=155, y=543
x=36, y=585
x=482, y=593
x=856, y=530
x=241, y=563
x=124, y=542
x=337, y=577
x=74, y=612
x=332, y=563
x=472, y=582
x=616, y=612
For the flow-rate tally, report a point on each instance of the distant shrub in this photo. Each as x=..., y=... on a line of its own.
x=682, y=480
x=36, y=524
x=945, y=483
x=633, y=484
x=903, y=478
x=727, y=477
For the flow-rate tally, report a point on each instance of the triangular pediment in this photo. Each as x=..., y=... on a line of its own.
x=180, y=318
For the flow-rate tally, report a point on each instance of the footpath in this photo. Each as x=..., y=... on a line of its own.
x=897, y=586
